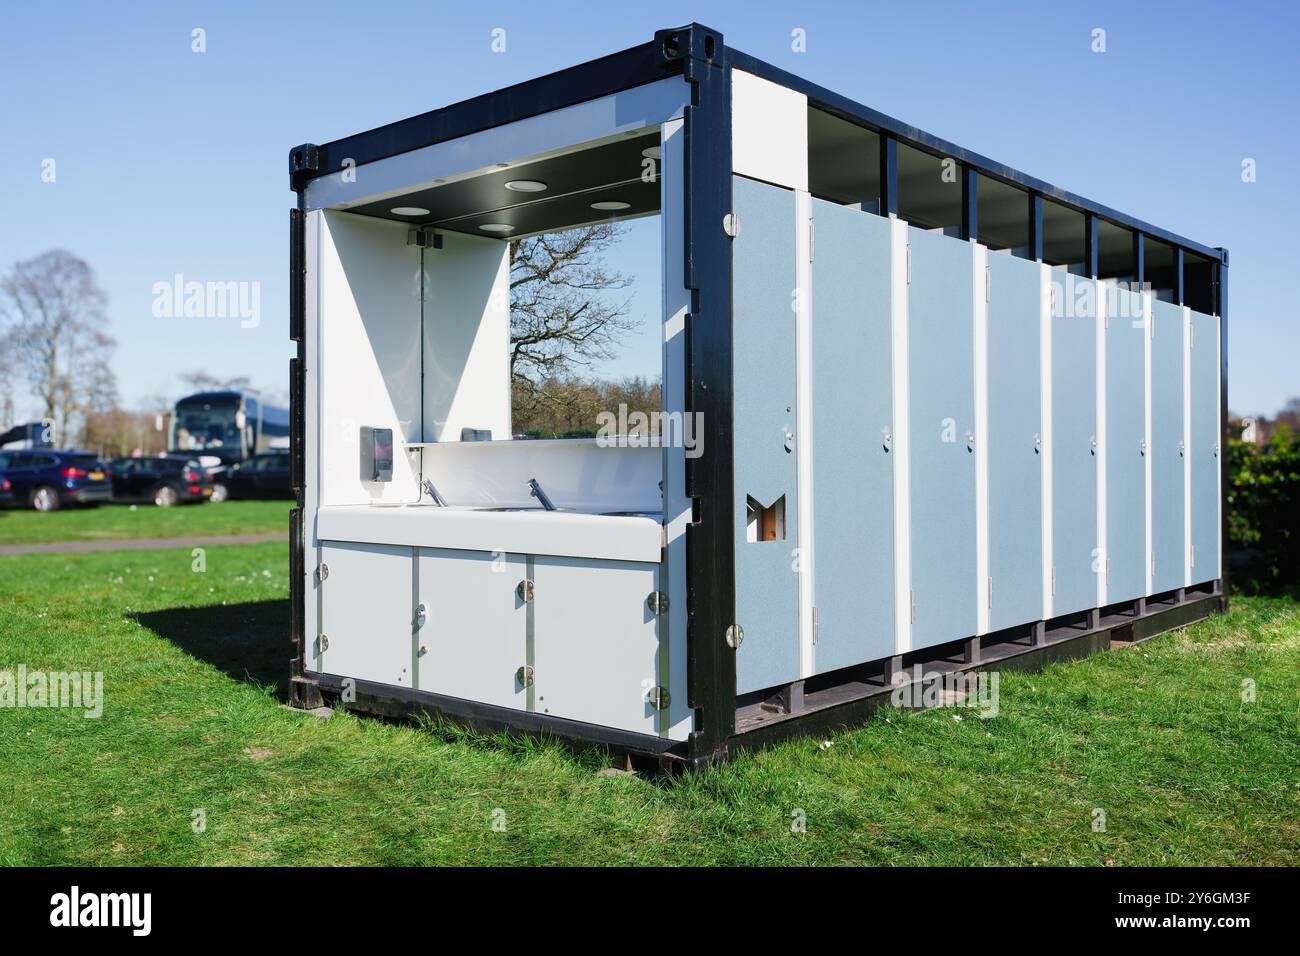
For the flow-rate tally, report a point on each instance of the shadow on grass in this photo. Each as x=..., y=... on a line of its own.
x=249, y=642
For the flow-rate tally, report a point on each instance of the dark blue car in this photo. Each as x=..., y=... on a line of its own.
x=48, y=479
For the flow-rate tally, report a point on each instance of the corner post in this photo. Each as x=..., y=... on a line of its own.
x=1035, y=212
x=699, y=54
x=888, y=175
x=969, y=204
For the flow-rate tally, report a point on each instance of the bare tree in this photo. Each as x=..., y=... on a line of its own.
x=8, y=373
x=55, y=315
x=561, y=315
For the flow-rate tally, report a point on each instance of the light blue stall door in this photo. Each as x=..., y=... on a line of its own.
x=767, y=587
x=1126, y=541
x=1015, y=472
x=941, y=391
x=1074, y=433
x=1205, y=447
x=853, y=490
x=1167, y=492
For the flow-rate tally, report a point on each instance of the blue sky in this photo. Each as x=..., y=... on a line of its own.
x=172, y=162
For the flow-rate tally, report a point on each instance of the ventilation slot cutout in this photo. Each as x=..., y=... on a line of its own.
x=764, y=523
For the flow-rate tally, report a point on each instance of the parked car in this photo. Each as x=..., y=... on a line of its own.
x=262, y=476
x=49, y=478
x=165, y=480
x=6, y=491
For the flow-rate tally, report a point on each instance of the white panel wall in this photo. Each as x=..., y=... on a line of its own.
x=369, y=348
x=769, y=131
x=466, y=337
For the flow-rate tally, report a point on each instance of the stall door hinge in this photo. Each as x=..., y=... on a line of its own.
x=322, y=645
x=524, y=591
x=731, y=224
x=658, y=698
x=323, y=571
x=657, y=602
x=524, y=676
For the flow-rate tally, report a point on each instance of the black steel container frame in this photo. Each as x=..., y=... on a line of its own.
x=698, y=54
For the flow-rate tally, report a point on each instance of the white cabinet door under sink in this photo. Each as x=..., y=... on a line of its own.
x=596, y=646
x=365, y=614
x=474, y=637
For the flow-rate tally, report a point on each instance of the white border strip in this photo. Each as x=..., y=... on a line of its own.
x=677, y=506
x=1148, y=333
x=1187, y=446
x=555, y=133
x=1218, y=439
x=980, y=292
x=803, y=445
x=901, y=439
x=1102, y=556
x=313, y=328
x=1045, y=434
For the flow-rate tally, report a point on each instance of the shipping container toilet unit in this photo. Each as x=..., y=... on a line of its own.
x=918, y=408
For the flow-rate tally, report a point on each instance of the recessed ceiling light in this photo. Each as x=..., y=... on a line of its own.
x=497, y=227
x=611, y=205
x=526, y=185
x=408, y=211
x=652, y=152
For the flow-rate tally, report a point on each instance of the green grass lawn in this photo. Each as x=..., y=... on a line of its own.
x=1157, y=736
x=122, y=522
